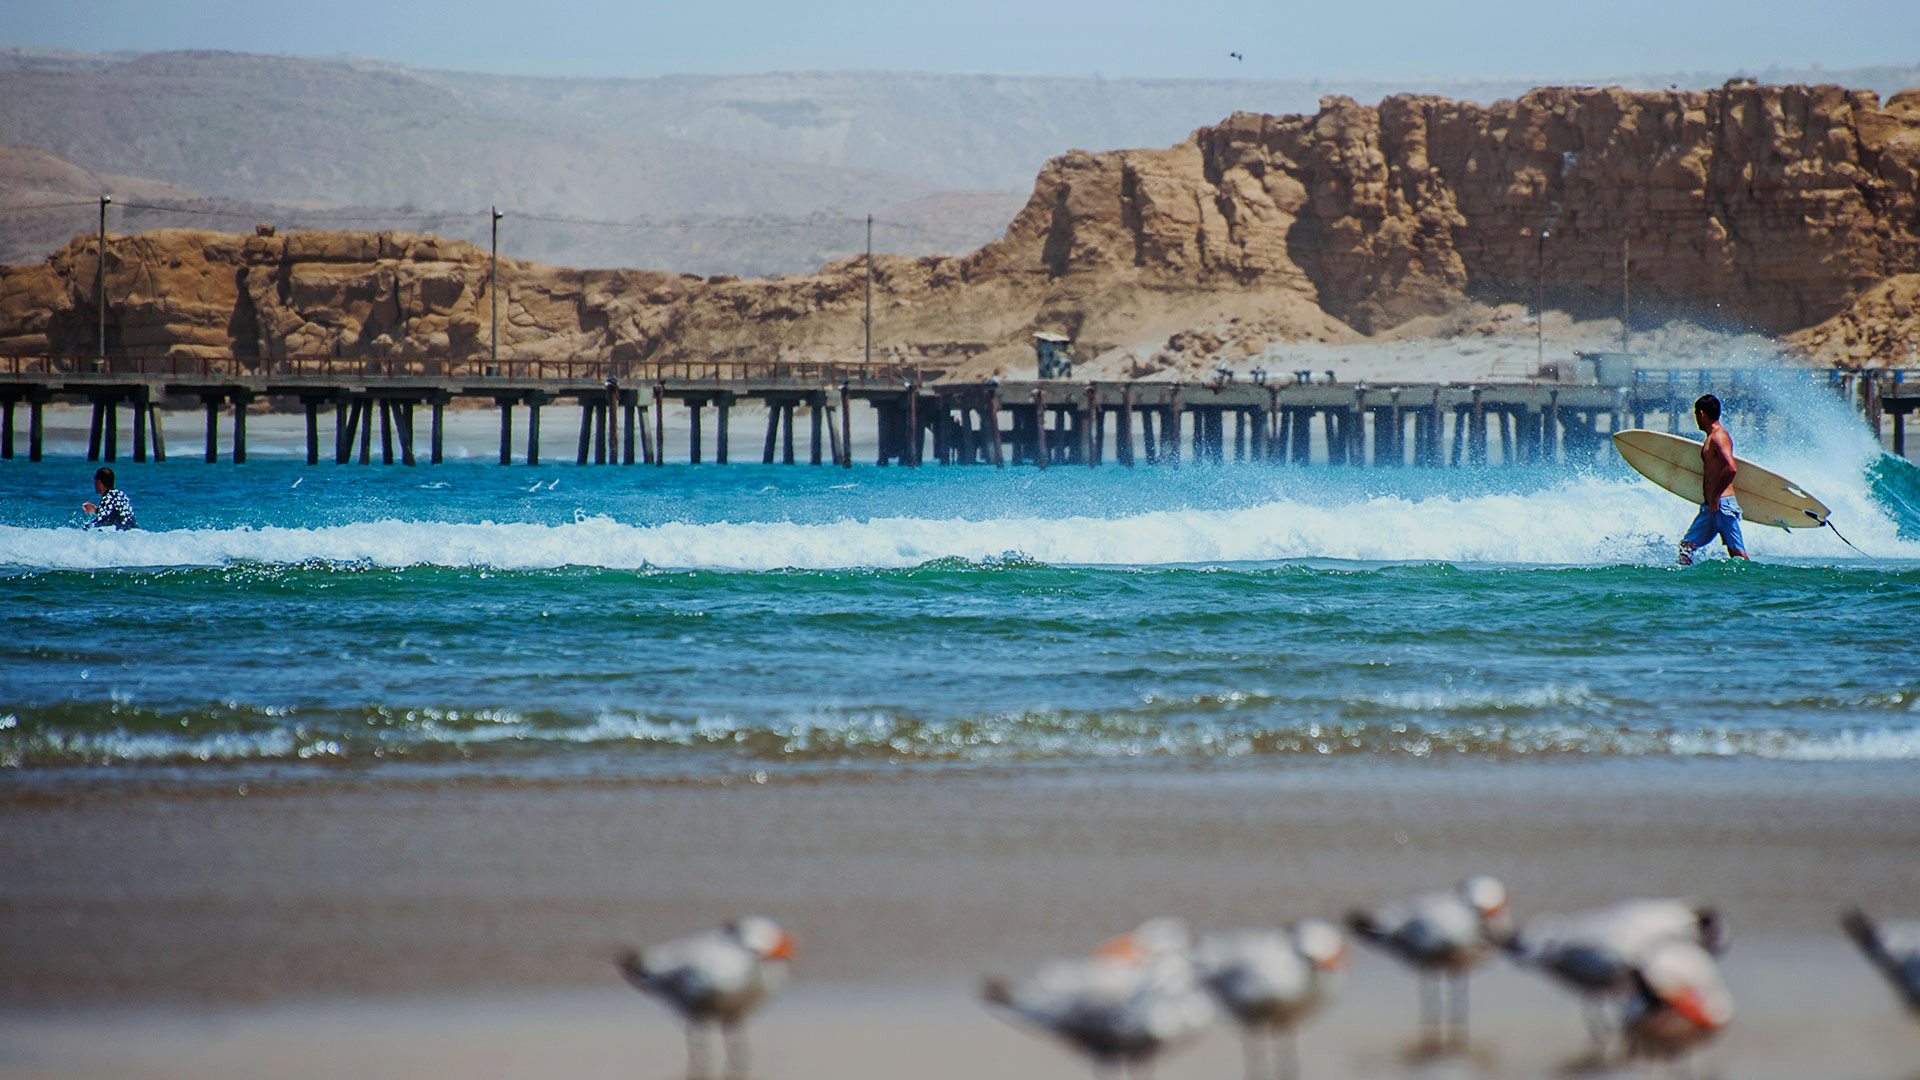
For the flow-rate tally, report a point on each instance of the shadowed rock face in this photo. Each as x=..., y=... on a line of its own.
x=1770, y=207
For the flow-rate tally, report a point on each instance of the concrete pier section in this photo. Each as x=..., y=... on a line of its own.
x=917, y=416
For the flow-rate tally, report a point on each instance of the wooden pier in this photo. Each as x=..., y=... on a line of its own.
x=917, y=417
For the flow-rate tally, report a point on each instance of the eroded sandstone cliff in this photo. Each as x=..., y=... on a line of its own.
x=1776, y=208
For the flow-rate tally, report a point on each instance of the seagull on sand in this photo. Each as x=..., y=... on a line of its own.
x=1270, y=981
x=716, y=977
x=1594, y=953
x=1894, y=948
x=1679, y=1001
x=1136, y=998
x=1441, y=934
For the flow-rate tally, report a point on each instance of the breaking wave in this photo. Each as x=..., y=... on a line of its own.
x=1582, y=520
x=68, y=736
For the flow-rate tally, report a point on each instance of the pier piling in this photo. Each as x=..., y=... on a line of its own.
x=93, y=433
x=212, y=405
x=345, y=416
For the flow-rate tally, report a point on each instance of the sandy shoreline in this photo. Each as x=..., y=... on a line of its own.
x=399, y=928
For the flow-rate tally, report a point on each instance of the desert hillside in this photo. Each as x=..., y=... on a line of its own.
x=740, y=174
x=1784, y=209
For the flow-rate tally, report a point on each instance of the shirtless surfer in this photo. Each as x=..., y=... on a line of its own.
x=1719, y=514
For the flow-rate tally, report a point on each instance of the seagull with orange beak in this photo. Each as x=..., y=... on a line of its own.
x=718, y=977
x=1441, y=935
x=1271, y=981
x=1133, y=1000
x=1594, y=952
x=1679, y=1001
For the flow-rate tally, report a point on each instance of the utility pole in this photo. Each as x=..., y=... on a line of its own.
x=493, y=290
x=1626, y=289
x=869, y=319
x=100, y=280
x=1540, y=309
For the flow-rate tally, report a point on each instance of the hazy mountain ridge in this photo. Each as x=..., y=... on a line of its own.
x=980, y=131
x=750, y=174
x=1789, y=210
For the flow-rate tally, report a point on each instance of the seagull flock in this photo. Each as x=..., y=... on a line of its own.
x=1643, y=968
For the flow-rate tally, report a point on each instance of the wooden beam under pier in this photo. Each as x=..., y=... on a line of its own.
x=660, y=423
x=212, y=405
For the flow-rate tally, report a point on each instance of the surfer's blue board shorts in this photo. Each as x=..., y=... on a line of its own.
x=1722, y=521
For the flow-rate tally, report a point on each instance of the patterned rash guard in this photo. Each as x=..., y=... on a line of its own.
x=115, y=512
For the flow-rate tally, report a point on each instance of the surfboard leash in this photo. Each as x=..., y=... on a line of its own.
x=1843, y=539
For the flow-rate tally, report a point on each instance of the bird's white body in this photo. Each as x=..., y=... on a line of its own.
x=714, y=977
x=1680, y=1000
x=1272, y=978
x=1137, y=998
x=1441, y=932
x=1596, y=951
x=708, y=976
x=1443, y=936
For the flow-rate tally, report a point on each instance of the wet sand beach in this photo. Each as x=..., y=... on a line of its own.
x=394, y=922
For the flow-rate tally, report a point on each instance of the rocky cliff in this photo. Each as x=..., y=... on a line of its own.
x=1776, y=208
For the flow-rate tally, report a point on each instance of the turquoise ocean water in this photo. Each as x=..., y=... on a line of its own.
x=557, y=621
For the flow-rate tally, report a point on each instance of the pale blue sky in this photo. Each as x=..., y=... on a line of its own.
x=1377, y=39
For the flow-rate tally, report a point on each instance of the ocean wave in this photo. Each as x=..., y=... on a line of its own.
x=123, y=736
x=1582, y=521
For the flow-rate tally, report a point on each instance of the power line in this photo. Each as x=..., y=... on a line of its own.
x=46, y=206
x=437, y=215
x=719, y=225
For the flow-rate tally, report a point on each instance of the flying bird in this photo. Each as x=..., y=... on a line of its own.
x=718, y=977
x=1236, y=56
x=1894, y=948
x=1271, y=981
x=1443, y=936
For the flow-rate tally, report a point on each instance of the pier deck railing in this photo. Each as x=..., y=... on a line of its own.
x=468, y=370
x=1018, y=421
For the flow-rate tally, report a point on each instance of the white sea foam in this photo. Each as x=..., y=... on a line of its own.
x=1582, y=521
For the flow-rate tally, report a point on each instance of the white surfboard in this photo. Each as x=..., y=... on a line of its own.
x=1765, y=498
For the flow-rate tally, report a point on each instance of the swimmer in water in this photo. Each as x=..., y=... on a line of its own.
x=114, y=511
